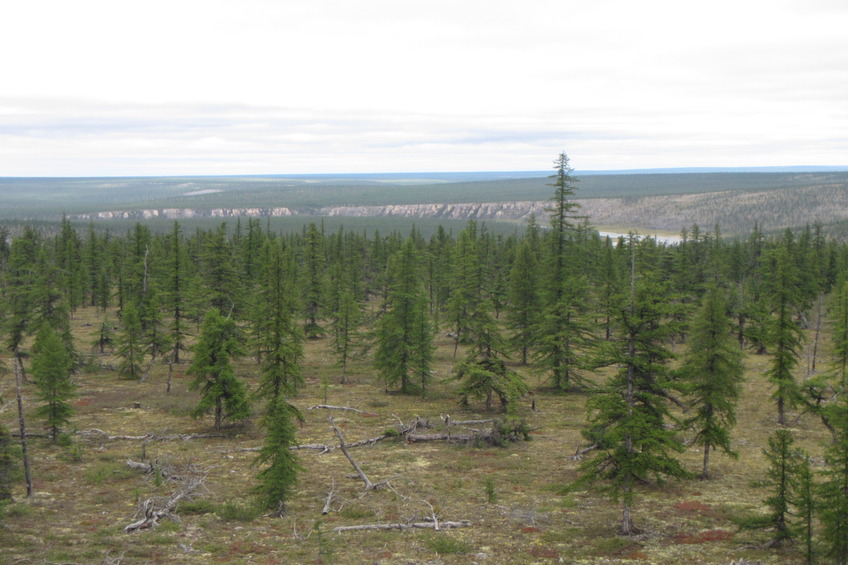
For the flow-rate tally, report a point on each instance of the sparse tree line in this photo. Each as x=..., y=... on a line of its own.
x=644, y=329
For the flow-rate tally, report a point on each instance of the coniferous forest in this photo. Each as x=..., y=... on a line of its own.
x=237, y=394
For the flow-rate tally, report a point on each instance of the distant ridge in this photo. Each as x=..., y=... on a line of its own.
x=687, y=170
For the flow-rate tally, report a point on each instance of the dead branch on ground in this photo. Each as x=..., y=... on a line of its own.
x=152, y=510
x=407, y=526
x=357, y=410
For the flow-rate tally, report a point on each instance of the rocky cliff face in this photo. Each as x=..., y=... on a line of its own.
x=515, y=211
x=733, y=211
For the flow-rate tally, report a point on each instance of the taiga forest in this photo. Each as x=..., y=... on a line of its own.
x=226, y=391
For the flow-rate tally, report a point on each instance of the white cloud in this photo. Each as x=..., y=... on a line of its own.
x=260, y=86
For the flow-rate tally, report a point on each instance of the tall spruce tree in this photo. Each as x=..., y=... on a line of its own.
x=214, y=375
x=713, y=373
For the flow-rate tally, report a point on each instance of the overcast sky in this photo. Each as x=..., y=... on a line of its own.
x=107, y=87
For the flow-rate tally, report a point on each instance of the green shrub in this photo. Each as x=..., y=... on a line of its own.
x=234, y=511
x=445, y=545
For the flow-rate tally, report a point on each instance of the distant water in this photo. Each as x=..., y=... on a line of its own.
x=669, y=239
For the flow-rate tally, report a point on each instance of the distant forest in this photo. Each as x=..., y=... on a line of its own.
x=645, y=202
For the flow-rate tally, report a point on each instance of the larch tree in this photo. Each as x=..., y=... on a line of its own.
x=401, y=342
x=628, y=417
x=279, y=343
x=524, y=307
x=784, y=333
x=51, y=369
x=713, y=374
x=131, y=346
x=561, y=329
x=279, y=475
x=214, y=375
x=833, y=491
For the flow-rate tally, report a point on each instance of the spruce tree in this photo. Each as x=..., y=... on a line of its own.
x=214, y=375
x=51, y=368
x=713, y=373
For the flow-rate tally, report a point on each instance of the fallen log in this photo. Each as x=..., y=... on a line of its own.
x=329, y=500
x=348, y=408
x=407, y=526
x=151, y=468
x=148, y=437
x=368, y=484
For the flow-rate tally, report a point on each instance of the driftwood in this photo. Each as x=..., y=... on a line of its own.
x=348, y=408
x=405, y=526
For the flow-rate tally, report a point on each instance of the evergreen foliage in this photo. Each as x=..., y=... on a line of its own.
x=278, y=477
x=214, y=376
x=783, y=333
x=627, y=419
x=131, y=343
x=51, y=368
x=404, y=340
x=278, y=342
x=713, y=373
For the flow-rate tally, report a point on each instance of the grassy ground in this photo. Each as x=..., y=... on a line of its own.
x=86, y=495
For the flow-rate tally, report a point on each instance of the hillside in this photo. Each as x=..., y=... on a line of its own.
x=642, y=202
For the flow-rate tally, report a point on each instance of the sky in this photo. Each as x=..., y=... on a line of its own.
x=209, y=87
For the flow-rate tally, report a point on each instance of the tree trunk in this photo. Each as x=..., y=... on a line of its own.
x=705, y=472
x=627, y=527
x=818, y=330
x=22, y=423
